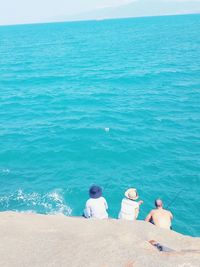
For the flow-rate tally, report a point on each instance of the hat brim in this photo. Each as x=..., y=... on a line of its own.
x=127, y=195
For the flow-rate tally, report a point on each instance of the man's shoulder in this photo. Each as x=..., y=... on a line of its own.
x=153, y=211
x=90, y=200
x=130, y=202
x=169, y=212
x=96, y=200
x=166, y=210
x=102, y=199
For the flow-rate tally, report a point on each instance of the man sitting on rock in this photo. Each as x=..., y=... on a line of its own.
x=159, y=216
x=96, y=205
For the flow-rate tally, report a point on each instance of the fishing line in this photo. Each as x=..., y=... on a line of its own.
x=176, y=196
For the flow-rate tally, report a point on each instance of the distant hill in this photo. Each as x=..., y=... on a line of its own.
x=141, y=8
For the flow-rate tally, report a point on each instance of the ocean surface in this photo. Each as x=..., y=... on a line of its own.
x=112, y=102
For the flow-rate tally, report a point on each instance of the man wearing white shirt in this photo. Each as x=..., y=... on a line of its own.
x=129, y=206
x=96, y=205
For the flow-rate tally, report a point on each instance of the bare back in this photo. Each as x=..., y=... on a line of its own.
x=162, y=218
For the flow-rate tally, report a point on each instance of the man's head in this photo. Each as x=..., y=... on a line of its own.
x=158, y=203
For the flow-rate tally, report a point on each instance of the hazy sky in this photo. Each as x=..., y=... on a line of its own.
x=28, y=11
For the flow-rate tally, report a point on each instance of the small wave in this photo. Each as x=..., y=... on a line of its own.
x=49, y=203
x=5, y=171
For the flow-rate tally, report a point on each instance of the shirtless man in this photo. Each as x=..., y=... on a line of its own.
x=159, y=216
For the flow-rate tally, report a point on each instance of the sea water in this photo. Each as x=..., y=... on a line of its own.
x=113, y=103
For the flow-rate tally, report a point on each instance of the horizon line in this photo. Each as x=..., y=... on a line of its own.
x=97, y=19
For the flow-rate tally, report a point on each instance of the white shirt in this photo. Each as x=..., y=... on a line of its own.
x=96, y=208
x=129, y=209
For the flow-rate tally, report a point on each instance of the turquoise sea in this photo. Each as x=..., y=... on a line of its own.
x=63, y=84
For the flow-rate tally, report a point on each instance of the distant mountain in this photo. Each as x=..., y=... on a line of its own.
x=141, y=8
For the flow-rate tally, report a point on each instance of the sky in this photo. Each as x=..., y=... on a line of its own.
x=33, y=11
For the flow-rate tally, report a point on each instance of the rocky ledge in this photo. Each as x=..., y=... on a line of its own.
x=33, y=240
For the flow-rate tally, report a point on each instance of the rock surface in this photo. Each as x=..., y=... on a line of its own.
x=55, y=240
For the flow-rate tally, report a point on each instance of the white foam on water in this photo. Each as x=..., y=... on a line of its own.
x=27, y=211
x=5, y=171
x=107, y=129
x=49, y=203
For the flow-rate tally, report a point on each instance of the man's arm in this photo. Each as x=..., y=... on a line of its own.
x=106, y=204
x=87, y=210
x=137, y=209
x=136, y=212
x=171, y=216
x=140, y=202
x=149, y=216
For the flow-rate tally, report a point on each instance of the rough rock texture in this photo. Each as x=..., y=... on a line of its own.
x=41, y=240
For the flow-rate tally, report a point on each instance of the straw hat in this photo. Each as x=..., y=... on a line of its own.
x=131, y=193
